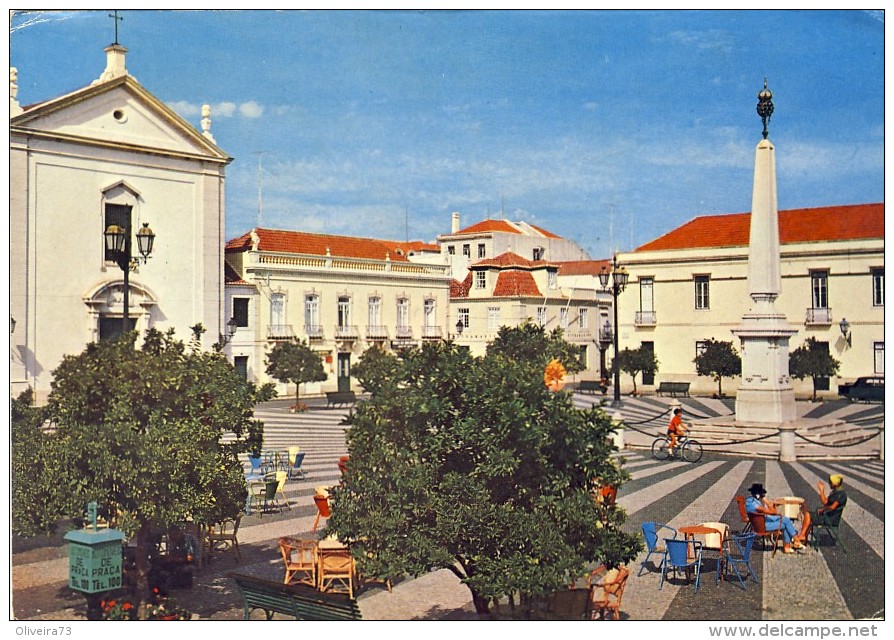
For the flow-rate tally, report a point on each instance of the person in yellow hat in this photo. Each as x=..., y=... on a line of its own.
x=833, y=504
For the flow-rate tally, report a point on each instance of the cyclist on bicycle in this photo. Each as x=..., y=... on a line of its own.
x=676, y=428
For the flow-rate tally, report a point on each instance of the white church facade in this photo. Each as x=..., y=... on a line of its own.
x=108, y=154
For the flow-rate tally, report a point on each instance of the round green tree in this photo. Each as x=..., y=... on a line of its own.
x=151, y=435
x=297, y=363
x=473, y=465
x=718, y=360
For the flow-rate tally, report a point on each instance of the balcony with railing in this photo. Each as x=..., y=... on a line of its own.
x=280, y=332
x=376, y=332
x=313, y=331
x=818, y=316
x=431, y=333
x=346, y=332
x=404, y=333
x=645, y=319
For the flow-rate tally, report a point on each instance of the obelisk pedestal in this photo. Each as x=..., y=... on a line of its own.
x=766, y=394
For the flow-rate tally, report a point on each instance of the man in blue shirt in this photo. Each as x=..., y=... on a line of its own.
x=755, y=503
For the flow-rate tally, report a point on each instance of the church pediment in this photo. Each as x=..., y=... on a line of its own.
x=119, y=112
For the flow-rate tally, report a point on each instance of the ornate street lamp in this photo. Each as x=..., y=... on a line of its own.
x=118, y=244
x=845, y=327
x=618, y=277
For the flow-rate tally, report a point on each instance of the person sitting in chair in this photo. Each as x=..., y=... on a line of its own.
x=792, y=538
x=833, y=504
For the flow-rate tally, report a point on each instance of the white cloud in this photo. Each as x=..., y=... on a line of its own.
x=251, y=109
x=185, y=109
x=223, y=109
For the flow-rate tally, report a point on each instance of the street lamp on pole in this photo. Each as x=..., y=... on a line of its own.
x=618, y=277
x=119, y=246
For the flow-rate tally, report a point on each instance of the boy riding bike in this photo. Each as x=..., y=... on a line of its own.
x=676, y=428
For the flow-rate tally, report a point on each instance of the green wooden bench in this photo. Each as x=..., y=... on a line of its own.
x=299, y=601
x=335, y=398
x=673, y=389
x=591, y=386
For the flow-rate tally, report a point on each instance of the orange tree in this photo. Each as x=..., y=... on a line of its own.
x=151, y=435
x=718, y=360
x=297, y=363
x=472, y=464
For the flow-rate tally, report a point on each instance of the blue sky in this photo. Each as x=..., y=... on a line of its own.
x=607, y=127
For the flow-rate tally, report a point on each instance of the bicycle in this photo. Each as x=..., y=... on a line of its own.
x=690, y=450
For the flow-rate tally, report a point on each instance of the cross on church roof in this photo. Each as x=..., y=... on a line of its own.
x=117, y=19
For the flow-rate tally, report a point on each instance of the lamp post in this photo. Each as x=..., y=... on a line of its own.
x=845, y=327
x=459, y=328
x=618, y=276
x=232, y=325
x=119, y=246
x=605, y=339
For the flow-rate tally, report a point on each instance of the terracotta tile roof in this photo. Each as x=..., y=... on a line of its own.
x=548, y=234
x=505, y=226
x=415, y=246
x=486, y=226
x=461, y=289
x=513, y=283
x=823, y=224
x=317, y=244
x=510, y=259
x=583, y=267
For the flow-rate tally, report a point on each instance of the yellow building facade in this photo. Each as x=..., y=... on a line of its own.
x=692, y=284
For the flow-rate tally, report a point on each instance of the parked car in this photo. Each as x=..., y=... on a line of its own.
x=868, y=388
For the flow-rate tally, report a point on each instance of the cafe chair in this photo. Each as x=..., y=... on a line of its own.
x=653, y=544
x=828, y=522
x=295, y=469
x=264, y=495
x=256, y=468
x=738, y=554
x=222, y=536
x=758, y=526
x=323, y=511
x=300, y=559
x=682, y=554
x=343, y=464
x=281, y=477
x=606, y=589
x=743, y=513
x=336, y=570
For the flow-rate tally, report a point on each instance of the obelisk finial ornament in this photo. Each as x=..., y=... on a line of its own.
x=765, y=107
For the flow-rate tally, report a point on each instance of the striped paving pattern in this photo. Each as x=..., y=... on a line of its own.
x=828, y=584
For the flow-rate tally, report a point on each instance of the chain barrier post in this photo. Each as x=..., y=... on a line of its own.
x=787, y=443
x=618, y=433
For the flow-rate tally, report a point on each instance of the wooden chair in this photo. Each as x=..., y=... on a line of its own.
x=743, y=513
x=222, y=536
x=300, y=559
x=336, y=570
x=758, y=526
x=323, y=510
x=606, y=589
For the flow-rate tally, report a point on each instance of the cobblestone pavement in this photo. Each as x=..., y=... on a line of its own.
x=823, y=584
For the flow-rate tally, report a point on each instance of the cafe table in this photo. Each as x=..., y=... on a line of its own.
x=789, y=506
x=690, y=532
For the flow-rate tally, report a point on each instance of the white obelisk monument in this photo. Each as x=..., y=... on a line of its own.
x=766, y=394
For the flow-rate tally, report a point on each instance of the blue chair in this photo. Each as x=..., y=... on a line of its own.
x=738, y=553
x=650, y=533
x=296, y=466
x=682, y=554
x=256, y=468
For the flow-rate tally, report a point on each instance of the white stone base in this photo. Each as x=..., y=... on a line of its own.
x=772, y=406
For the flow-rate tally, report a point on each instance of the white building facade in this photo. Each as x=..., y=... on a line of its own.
x=109, y=153
x=692, y=284
x=340, y=294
